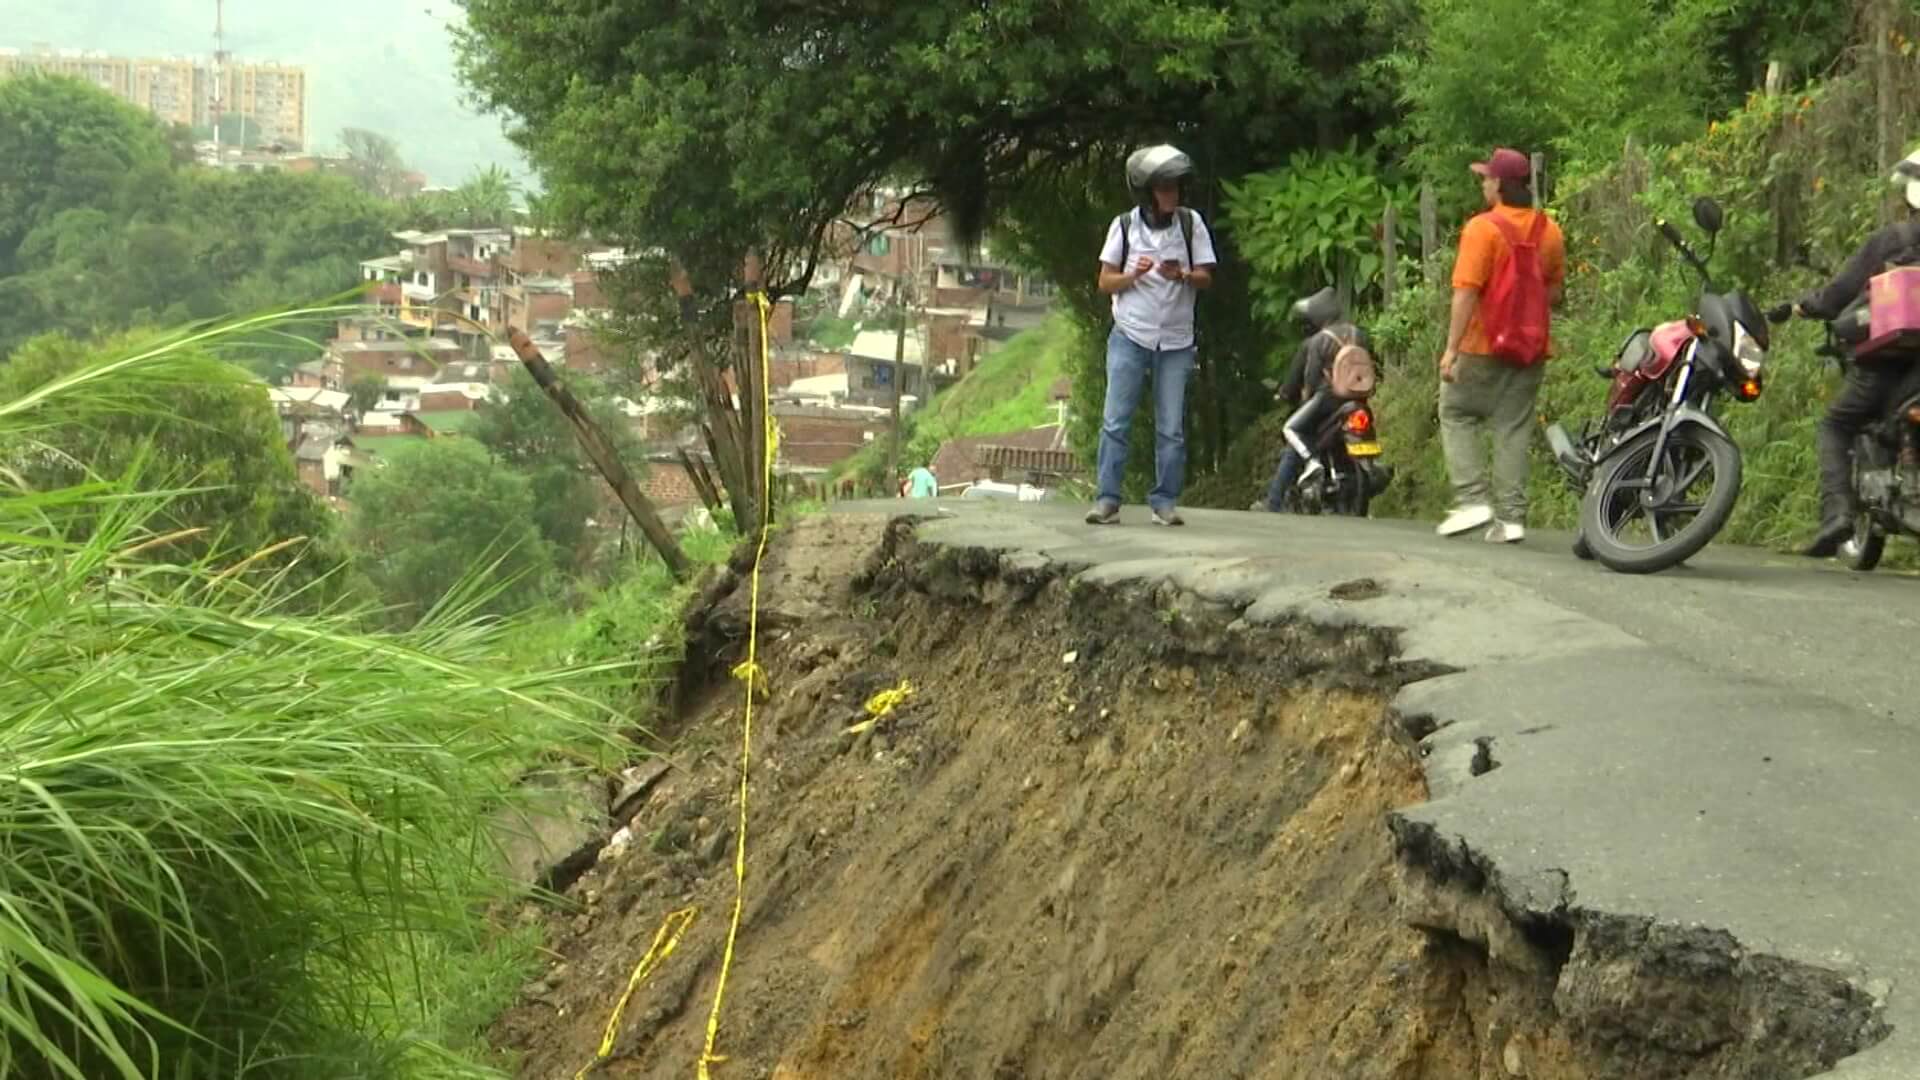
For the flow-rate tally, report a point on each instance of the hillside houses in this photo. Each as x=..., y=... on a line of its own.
x=428, y=353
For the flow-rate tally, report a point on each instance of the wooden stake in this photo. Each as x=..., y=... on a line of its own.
x=1390, y=252
x=702, y=481
x=1429, y=227
x=604, y=458
x=754, y=397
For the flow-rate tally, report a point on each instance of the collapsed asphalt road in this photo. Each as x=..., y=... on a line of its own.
x=1732, y=745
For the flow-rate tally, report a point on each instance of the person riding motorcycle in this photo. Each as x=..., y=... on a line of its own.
x=1329, y=331
x=1869, y=387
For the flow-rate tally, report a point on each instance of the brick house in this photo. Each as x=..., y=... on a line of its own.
x=820, y=437
x=533, y=303
x=326, y=465
x=790, y=367
x=453, y=397
x=1035, y=456
x=414, y=361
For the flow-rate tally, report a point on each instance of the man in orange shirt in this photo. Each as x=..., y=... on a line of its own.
x=1478, y=392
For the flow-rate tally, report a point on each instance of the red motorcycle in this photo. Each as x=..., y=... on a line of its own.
x=1659, y=477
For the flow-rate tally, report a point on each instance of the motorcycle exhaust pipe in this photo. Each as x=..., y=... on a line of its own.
x=1570, y=457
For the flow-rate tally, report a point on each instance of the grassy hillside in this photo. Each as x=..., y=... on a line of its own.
x=1007, y=392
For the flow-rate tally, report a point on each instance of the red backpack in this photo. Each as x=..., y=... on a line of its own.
x=1513, y=309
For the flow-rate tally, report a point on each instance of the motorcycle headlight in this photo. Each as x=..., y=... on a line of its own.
x=1748, y=351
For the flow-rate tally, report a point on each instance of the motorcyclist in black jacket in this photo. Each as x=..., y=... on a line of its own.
x=1329, y=331
x=1870, y=385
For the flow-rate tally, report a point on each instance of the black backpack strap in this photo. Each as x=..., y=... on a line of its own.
x=1186, y=232
x=1125, y=223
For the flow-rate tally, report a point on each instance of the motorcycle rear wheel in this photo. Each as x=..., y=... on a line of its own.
x=1864, y=548
x=1611, y=508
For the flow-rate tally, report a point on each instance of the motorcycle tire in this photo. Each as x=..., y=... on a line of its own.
x=1629, y=462
x=1581, y=549
x=1864, y=548
x=1354, y=498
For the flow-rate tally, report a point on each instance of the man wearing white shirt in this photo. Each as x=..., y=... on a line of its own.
x=1157, y=256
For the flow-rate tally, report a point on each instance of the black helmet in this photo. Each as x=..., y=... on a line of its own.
x=1320, y=310
x=1153, y=165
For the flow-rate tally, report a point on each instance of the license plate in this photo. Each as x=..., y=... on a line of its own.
x=1364, y=449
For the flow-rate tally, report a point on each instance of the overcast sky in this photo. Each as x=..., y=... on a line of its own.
x=380, y=64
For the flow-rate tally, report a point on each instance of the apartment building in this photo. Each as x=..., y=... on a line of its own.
x=181, y=91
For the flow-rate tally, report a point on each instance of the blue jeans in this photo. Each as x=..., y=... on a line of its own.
x=1285, y=475
x=1129, y=365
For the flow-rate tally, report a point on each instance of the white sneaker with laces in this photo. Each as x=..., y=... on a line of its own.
x=1506, y=532
x=1465, y=519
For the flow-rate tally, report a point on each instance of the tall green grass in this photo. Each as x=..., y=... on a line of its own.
x=236, y=841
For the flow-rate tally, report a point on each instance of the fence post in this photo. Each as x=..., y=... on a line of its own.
x=1776, y=78
x=1537, y=178
x=1429, y=227
x=1390, y=252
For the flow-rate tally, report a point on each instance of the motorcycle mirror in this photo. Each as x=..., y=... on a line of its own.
x=1707, y=215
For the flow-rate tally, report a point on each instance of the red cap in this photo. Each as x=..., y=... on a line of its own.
x=1505, y=164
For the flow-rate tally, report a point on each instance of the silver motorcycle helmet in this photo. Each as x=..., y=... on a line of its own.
x=1152, y=165
x=1320, y=310
x=1906, y=176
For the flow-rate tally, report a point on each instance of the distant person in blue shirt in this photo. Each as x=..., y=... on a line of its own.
x=922, y=483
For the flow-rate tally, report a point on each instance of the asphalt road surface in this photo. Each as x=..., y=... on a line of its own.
x=1732, y=744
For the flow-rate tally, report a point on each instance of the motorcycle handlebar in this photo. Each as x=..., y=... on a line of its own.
x=1680, y=244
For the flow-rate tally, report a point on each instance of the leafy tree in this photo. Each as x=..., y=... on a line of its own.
x=65, y=145
x=241, y=131
x=716, y=127
x=439, y=512
x=1575, y=77
x=707, y=130
x=486, y=199
x=222, y=439
x=102, y=240
x=374, y=163
x=365, y=392
x=1314, y=223
x=524, y=430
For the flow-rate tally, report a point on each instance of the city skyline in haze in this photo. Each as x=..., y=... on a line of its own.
x=375, y=64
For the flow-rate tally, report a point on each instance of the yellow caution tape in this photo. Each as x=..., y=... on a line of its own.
x=755, y=678
x=884, y=702
x=881, y=705
x=665, y=939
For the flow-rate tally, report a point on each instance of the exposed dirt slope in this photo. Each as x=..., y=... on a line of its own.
x=1112, y=834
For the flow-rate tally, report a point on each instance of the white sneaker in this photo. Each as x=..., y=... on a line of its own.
x=1506, y=532
x=1465, y=519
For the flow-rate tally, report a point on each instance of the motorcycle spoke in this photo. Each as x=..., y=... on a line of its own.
x=1693, y=477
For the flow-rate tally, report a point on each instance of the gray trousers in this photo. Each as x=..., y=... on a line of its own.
x=1488, y=396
